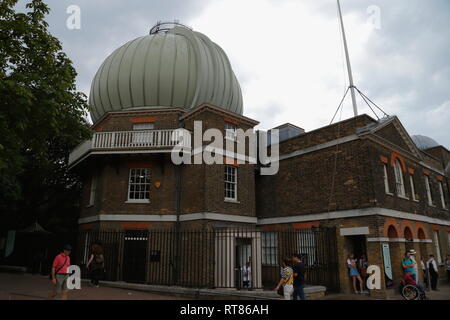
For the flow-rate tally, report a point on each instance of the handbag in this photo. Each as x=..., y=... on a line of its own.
x=280, y=291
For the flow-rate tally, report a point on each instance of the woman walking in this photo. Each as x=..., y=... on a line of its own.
x=96, y=263
x=287, y=279
x=353, y=272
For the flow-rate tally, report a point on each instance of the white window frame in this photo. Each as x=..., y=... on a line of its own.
x=428, y=189
x=135, y=173
x=269, y=246
x=413, y=189
x=437, y=246
x=230, y=184
x=230, y=131
x=93, y=191
x=441, y=192
x=386, y=179
x=399, y=183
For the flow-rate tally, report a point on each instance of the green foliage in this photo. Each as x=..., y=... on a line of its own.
x=42, y=117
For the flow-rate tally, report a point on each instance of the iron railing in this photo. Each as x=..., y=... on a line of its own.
x=220, y=258
x=128, y=140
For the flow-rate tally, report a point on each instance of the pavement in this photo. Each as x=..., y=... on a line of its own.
x=443, y=293
x=14, y=286
x=24, y=286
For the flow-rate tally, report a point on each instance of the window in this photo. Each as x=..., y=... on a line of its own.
x=436, y=246
x=400, y=187
x=139, y=185
x=441, y=192
x=428, y=188
x=144, y=126
x=413, y=188
x=307, y=246
x=93, y=189
x=142, y=137
x=386, y=179
x=269, y=244
x=230, y=131
x=230, y=183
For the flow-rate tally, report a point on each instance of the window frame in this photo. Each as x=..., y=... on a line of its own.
x=413, y=188
x=399, y=181
x=230, y=131
x=386, y=179
x=269, y=248
x=234, y=172
x=93, y=190
x=441, y=193
x=145, y=183
x=428, y=190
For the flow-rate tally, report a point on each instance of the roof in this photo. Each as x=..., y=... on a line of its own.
x=177, y=68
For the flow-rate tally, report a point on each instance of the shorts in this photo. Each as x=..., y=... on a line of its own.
x=354, y=272
x=288, y=289
x=61, y=282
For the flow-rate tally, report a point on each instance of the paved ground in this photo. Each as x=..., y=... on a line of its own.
x=15, y=286
x=37, y=287
x=442, y=294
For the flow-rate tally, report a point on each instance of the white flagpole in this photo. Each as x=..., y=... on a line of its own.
x=349, y=68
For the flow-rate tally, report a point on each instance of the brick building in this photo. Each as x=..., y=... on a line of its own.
x=363, y=178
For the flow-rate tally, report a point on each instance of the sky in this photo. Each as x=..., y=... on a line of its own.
x=288, y=54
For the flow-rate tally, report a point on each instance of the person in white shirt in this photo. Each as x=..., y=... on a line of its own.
x=434, y=272
x=246, y=275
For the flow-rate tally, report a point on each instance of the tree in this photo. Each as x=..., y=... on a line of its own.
x=42, y=118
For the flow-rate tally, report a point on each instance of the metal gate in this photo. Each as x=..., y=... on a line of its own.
x=220, y=258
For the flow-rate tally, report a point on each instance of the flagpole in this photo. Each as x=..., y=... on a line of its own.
x=349, y=68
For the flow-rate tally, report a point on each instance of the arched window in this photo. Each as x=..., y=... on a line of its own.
x=408, y=233
x=392, y=232
x=400, y=187
x=421, y=234
x=409, y=239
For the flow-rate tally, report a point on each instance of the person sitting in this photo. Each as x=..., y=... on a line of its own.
x=408, y=279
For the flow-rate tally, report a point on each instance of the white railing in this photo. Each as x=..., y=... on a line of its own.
x=127, y=140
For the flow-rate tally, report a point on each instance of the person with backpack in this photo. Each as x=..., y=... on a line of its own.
x=96, y=264
x=59, y=273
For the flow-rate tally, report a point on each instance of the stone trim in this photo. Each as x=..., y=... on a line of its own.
x=354, y=213
x=354, y=231
x=168, y=217
x=382, y=239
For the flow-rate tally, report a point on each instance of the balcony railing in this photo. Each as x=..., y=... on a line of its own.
x=126, y=140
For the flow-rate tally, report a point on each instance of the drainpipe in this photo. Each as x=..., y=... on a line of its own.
x=177, y=262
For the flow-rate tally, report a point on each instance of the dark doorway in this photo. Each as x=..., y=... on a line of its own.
x=243, y=254
x=135, y=256
x=356, y=245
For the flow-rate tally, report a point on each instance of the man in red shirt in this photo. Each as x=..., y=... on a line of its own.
x=60, y=274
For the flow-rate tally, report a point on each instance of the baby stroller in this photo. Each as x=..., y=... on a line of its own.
x=410, y=292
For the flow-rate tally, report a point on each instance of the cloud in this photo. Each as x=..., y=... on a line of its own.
x=287, y=54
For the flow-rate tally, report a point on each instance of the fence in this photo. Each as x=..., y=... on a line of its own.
x=221, y=258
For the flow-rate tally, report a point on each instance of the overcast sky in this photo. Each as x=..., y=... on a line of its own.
x=288, y=55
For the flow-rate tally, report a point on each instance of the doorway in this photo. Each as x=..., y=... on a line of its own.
x=243, y=253
x=135, y=256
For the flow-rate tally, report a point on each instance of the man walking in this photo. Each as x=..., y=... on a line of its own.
x=434, y=273
x=60, y=274
x=299, y=277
